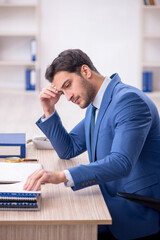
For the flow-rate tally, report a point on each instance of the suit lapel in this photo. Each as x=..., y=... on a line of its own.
x=107, y=98
x=103, y=108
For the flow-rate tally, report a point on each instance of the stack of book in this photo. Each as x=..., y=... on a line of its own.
x=13, y=197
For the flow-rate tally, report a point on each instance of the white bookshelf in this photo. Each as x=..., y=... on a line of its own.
x=19, y=24
x=150, y=43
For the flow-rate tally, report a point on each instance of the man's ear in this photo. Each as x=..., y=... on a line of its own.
x=86, y=72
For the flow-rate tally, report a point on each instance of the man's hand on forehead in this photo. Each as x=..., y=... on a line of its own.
x=56, y=90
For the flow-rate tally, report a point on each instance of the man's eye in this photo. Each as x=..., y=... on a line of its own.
x=67, y=85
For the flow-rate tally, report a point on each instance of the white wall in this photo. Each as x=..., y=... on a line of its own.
x=107, y=30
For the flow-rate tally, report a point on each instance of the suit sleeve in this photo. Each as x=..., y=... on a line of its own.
x=131, y=122
x=67, y=145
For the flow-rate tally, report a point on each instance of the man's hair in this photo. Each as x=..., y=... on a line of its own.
x=71, y=61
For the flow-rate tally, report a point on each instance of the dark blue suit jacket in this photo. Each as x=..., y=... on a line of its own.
x=127, y=155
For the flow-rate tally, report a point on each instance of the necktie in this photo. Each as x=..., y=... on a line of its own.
x=92, y=131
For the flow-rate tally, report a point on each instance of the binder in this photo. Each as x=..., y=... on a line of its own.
x=12, y=144
x=30, y=79
x=13, y=197
x=147, y=81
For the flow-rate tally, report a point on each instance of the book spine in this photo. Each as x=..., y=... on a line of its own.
x=151, y=2
x=23, y=151
x=18, y=205
x=18, y=195
x=18, y=199
x=30, y=79
x=145, y=82
x=145, y=2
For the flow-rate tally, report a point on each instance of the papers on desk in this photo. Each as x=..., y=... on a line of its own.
x=13, y=197
x=16, y=172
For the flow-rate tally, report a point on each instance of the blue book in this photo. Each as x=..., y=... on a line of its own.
x=147, y=81
x=30, y=79
x=12, y=145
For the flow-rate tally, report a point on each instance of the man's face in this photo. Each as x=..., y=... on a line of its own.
x=76, y=88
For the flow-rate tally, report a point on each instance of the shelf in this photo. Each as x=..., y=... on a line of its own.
x=153, y=7
x=18, y=63
x=17, y=34
x=151, y=36
x=9, y=5
x=150, y=64
x=153, y=94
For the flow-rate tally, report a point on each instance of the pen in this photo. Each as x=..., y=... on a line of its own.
x=30, y=159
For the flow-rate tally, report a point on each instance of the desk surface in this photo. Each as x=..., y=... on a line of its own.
x=60, y=205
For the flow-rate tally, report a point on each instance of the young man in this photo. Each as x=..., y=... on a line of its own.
x=121, y=132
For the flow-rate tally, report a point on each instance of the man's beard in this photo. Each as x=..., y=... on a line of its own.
x=89, y=93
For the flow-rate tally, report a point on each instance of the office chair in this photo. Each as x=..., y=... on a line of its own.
x=146, y=201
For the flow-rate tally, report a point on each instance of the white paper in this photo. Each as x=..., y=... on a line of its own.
x=15, y=188
x=17, y=172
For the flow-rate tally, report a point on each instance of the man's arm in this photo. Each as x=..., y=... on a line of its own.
x=132, y=121
x=67, y=145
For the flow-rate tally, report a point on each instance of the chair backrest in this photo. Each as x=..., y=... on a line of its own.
x=146, y=201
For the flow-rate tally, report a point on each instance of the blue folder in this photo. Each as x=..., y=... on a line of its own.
x=12, y=145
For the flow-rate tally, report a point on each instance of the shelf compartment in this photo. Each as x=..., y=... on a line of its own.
x=156, y=76
x=15, y=48
x=18, y=20
x=151, y=50
x=18, y=63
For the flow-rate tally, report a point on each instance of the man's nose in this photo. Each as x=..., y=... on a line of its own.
x=69, y=96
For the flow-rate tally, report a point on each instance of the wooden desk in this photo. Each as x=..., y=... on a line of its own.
x=64, y=214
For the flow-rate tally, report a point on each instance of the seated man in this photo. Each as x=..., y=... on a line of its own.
x=120, y=131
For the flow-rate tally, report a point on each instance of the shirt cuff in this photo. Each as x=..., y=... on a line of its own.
x=70, y=182
x=43, y=118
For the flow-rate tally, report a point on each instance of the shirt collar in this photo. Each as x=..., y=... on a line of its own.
x=98, y=98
